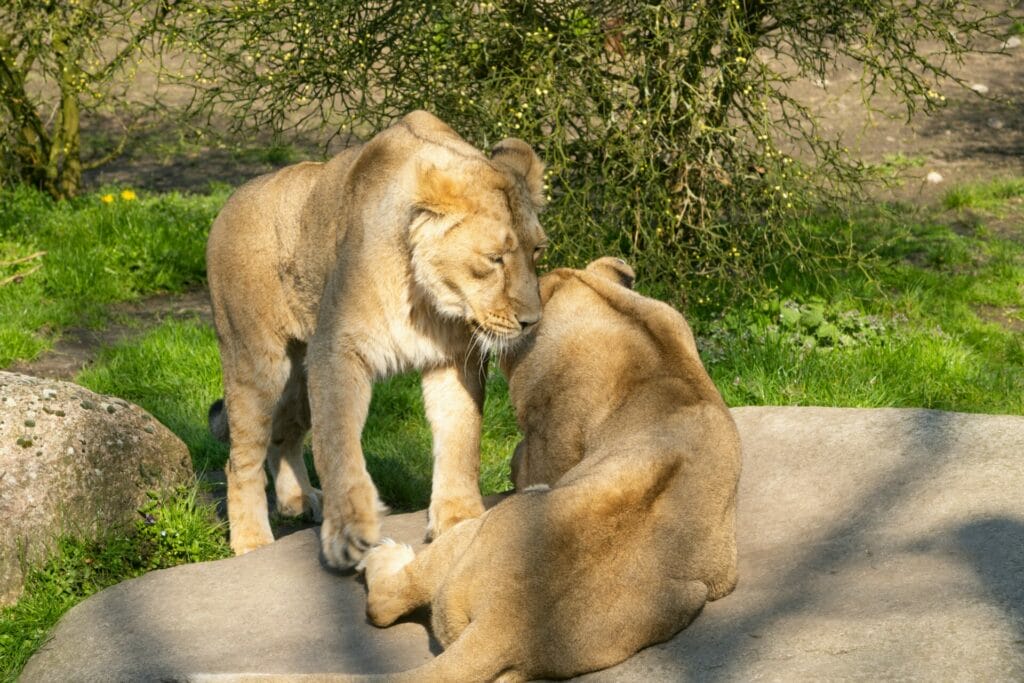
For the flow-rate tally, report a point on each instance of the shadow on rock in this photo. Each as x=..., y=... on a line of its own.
x=995, y=550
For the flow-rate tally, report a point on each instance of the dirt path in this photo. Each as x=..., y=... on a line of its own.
x=79, y=346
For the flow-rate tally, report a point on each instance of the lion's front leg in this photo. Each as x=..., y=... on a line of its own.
x=339, y=390
x=454, y=399
x=398, y=580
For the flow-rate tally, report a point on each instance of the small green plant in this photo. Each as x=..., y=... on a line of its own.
x=816, y=324
x=176, y=528
x=893, y=165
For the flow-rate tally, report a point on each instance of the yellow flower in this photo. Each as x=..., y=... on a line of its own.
x=107, y=198
x=127, y=195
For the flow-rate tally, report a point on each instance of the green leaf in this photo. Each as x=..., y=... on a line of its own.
x=790, y=317
x=827, y=332
x=812, y=317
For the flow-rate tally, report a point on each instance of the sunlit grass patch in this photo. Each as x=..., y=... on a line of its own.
x=922, y=301
x=101, y=248
x=173, y=371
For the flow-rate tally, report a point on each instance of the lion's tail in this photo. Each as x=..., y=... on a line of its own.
x=217, y=419
x=472, y=657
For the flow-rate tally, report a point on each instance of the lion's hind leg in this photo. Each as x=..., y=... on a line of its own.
x=295, y=494
x=249, y=404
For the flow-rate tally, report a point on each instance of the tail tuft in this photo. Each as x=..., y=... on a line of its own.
x=217, y=418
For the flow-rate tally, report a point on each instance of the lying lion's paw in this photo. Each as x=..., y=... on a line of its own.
x=385, y=559
x=446, y=513
x=344, y=548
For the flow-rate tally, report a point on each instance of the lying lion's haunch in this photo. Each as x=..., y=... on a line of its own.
x=411, y=251
x=625, y=521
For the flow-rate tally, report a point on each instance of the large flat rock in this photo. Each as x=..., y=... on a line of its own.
x=873, y=544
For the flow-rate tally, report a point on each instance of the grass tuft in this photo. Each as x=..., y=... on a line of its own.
x=986, y=195
x=173, y=371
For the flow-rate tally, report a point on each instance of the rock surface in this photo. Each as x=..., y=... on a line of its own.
x=874, y=544
x=73, y=461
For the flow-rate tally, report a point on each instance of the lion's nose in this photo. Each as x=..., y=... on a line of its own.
x=528, y=321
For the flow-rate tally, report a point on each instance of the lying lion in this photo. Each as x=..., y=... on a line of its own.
x=625, y=521
x=413, y=251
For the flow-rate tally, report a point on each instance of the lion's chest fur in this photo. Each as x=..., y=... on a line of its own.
x=384, y=317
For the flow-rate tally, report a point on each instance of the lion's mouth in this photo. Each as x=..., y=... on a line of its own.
x=497, y=339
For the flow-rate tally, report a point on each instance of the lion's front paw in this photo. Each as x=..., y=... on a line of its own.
x=384, y=559
x=344, y=547
x=447, y=512
x=386, y=594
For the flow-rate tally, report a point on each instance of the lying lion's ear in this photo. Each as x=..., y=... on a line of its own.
x=519, y=157
x=440, y=192
x=614, y=269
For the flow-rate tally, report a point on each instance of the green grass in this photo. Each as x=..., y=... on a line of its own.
x=927, y=292
x=96, y=254
x=173, y=371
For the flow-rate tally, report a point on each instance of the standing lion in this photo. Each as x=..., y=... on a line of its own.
x=413, y=251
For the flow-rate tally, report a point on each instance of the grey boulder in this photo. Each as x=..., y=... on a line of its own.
x=874, y=544
x=76, y=462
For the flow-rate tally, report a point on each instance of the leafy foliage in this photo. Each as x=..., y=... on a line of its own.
x=669, y=132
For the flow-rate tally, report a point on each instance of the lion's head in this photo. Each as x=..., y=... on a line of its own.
x=476, y=239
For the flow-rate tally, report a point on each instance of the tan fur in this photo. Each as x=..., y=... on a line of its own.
x=413, y=251
x=637, y=529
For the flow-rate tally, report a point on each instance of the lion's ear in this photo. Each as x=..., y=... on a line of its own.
x=440, y=192
x=614, y=269
x=519, y=157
